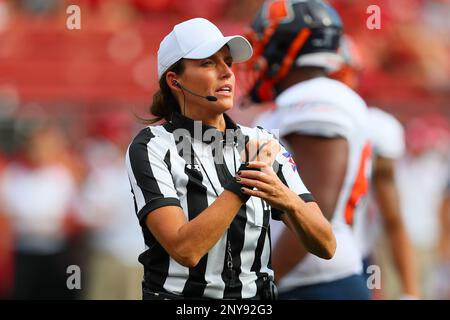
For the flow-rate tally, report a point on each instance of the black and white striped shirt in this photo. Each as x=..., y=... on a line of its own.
x=169, y=168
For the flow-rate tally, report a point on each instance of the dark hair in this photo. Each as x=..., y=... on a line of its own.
x=164, y=102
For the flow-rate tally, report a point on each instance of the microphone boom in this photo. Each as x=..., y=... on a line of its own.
x=209, y=98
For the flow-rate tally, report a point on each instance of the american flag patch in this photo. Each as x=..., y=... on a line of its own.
x=291, y=161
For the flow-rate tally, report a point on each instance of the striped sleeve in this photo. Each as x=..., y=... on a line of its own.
x=287, y=171
x=148, y=166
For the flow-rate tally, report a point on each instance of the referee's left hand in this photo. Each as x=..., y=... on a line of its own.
x=268, y=186
x=264, y=150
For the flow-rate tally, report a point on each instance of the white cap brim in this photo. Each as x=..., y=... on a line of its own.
x=240, y=49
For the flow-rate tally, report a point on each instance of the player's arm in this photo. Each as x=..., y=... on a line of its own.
x=388, y=199
x=322, y=164
x=279, y=184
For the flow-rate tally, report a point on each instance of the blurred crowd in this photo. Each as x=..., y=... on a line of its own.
x=66, y=203
x=68, y=106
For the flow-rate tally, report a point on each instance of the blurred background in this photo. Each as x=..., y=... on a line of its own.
x=68, y=100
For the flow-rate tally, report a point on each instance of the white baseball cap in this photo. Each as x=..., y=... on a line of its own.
x=198, y=39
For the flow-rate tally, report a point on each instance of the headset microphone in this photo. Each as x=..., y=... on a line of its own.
x=209, y=98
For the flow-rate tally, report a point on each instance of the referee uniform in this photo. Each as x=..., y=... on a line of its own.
x=173, y=165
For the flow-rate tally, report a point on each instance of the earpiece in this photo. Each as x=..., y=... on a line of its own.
x=176, y=83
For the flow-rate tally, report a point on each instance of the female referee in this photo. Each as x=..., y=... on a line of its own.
x=202, y=196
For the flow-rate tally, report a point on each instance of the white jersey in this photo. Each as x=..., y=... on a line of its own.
x=388, y=141
x=328, y=108
x=421, y=182
x=386, y=134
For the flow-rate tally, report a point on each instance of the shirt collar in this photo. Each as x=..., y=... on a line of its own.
x=204, y=132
